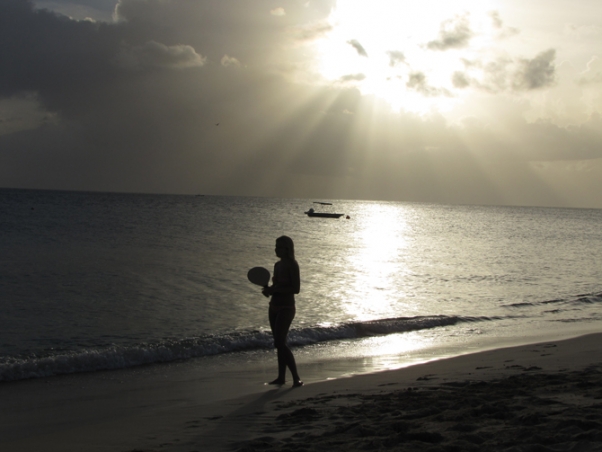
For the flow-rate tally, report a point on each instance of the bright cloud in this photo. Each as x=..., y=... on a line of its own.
x=229, y=61
x=155, y=54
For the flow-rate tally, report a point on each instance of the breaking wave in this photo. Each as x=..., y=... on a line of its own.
x=119, y=357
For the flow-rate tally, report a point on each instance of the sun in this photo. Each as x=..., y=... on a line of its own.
x=404, y=52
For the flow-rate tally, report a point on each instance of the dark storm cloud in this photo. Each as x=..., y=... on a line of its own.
x=453, y=34
x=41, y=51
x=358, y=48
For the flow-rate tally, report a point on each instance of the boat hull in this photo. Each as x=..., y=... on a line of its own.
x=324, y=215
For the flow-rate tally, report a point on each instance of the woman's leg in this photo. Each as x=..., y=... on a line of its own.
x=280, y=321
x=275, y=325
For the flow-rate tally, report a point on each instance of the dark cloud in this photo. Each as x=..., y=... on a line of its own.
x=81, y=9
x=353, y=78
x=496, y=19
x=132, y=105
x=417, y=81
x=460, y=80
x=505, y=74
x=503, y=32
x=395, y=57
x=536, y=73
x=453, y=34
x=358, y=48
x=43, y=52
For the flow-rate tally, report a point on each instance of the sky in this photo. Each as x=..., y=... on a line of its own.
x=464, y=102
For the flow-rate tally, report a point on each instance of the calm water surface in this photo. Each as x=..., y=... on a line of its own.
x=92, y=281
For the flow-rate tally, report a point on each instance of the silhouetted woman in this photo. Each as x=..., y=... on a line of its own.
x=286, y=282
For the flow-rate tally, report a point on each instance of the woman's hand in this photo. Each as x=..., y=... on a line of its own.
x=267, y=291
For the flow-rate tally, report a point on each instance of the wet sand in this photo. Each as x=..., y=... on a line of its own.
x=540, y=397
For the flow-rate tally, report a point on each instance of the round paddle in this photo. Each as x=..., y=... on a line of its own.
x=259, y=276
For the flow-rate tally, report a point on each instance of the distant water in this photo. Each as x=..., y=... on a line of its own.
x=94, y=281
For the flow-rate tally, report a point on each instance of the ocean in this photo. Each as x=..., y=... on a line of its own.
x=92, y=282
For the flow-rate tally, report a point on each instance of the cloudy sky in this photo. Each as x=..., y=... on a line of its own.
x=471, y=101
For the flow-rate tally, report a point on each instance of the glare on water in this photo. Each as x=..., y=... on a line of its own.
x=375, y=261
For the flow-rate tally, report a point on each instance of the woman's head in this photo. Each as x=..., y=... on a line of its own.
x=286, y=246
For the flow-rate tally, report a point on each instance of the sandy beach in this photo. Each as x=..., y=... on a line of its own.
x=539, y=397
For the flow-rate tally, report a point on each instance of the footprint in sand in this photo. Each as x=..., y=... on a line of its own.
x=427, y=377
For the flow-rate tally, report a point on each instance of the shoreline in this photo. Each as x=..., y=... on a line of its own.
x=152, y=412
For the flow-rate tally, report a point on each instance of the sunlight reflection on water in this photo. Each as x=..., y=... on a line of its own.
x=374, y=259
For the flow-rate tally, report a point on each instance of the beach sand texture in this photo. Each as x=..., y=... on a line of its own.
x=523, y=412
x=540, y=397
